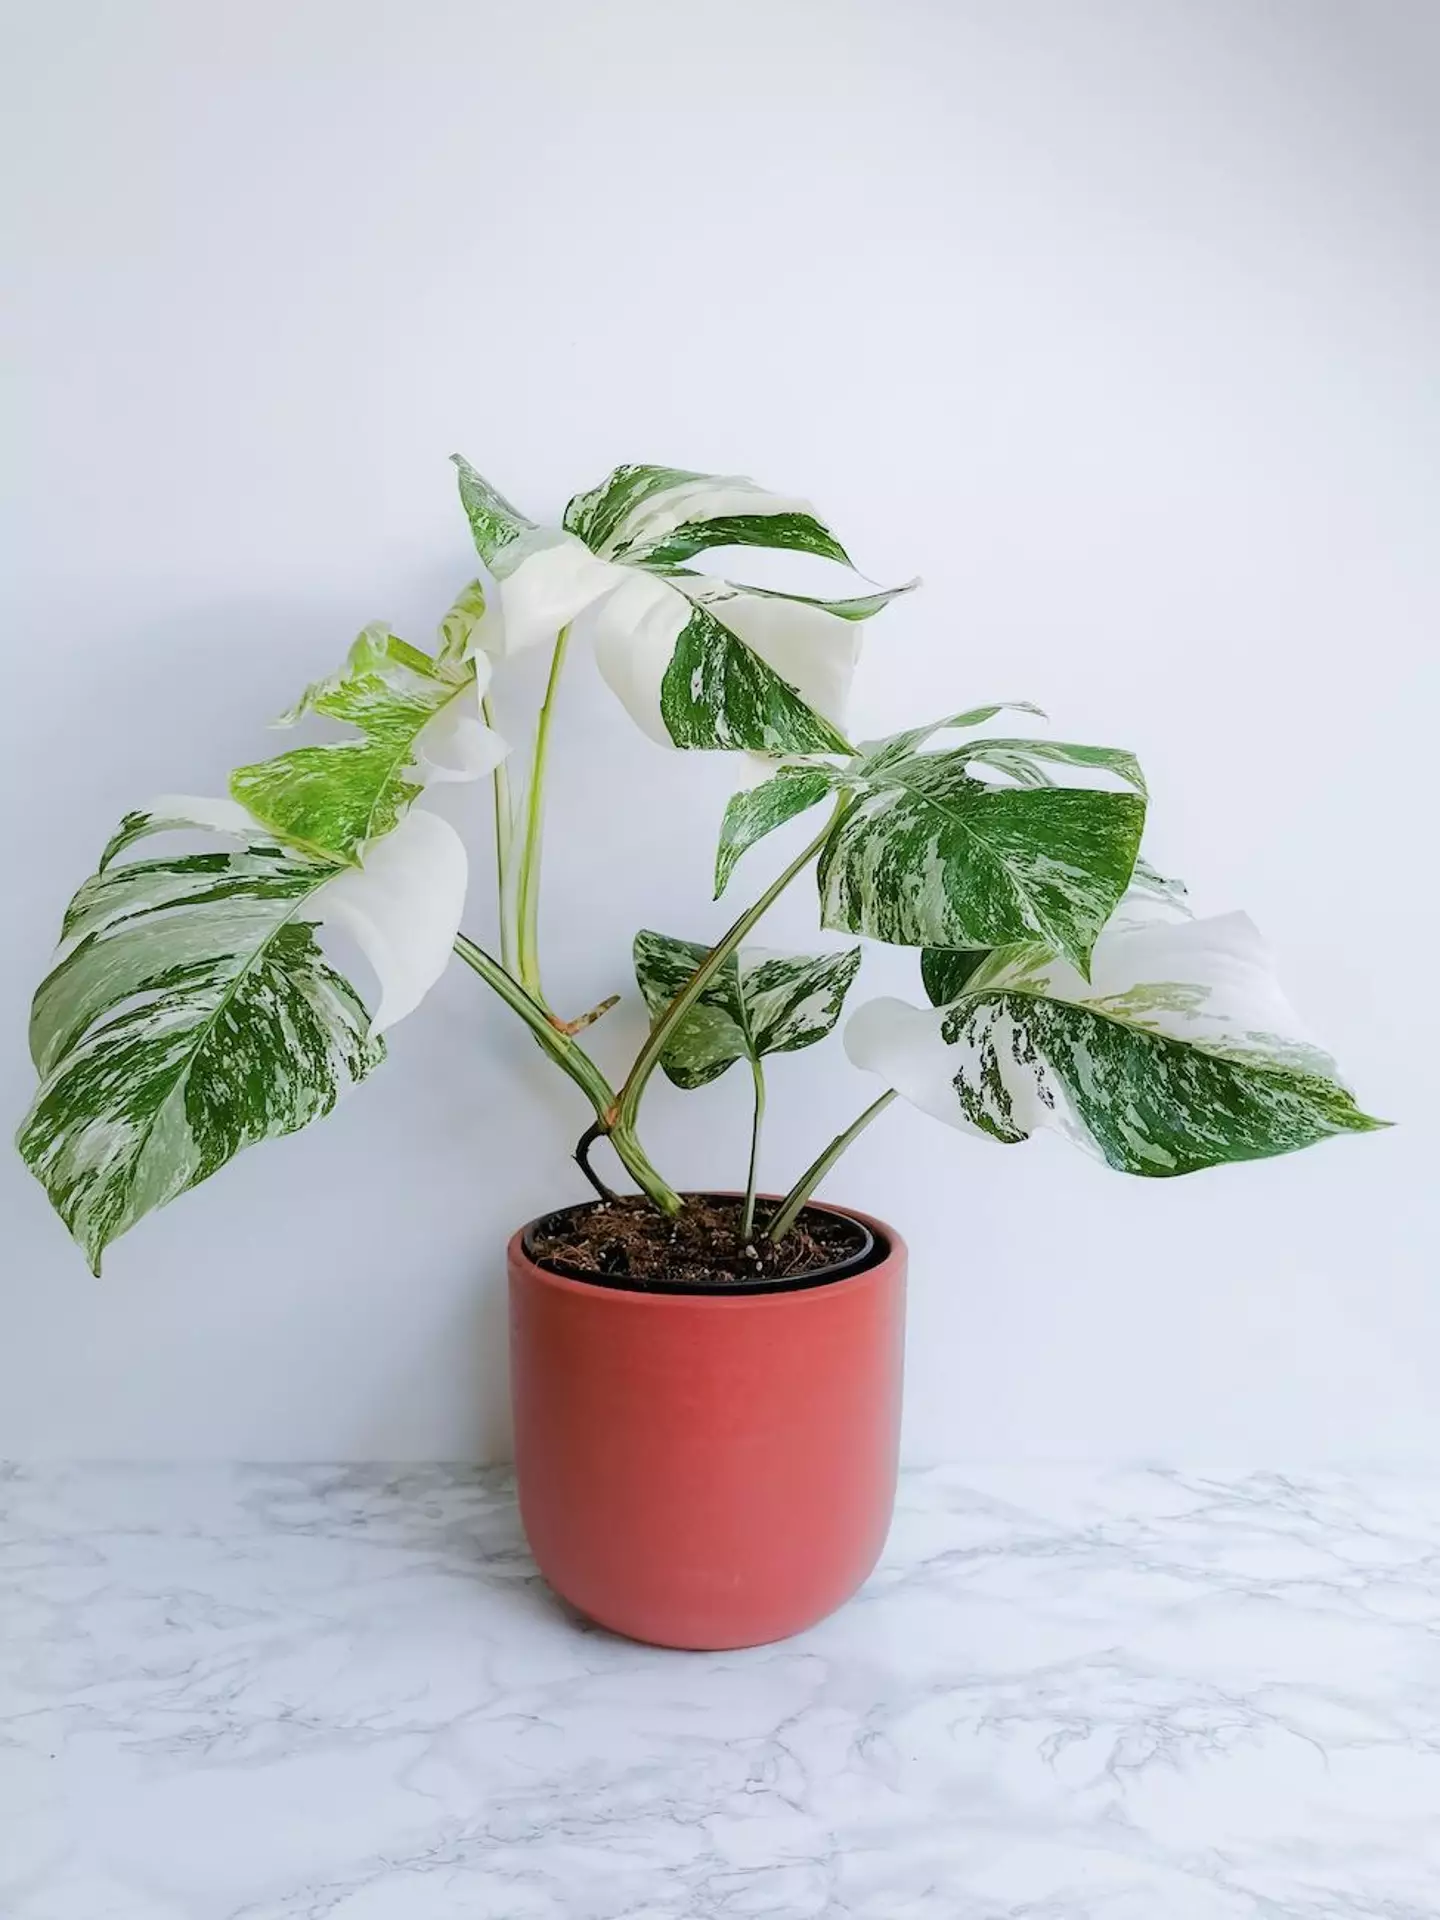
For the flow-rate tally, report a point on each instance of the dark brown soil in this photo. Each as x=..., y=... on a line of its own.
x=629, y=1243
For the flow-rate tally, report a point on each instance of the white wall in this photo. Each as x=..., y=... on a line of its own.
x=1118, y=321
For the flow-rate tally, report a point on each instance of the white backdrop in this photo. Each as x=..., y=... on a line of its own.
x=1117, y=321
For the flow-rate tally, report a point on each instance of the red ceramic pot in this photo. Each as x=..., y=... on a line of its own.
x=701, y=1469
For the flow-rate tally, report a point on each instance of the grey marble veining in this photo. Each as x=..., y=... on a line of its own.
x=343, y=1694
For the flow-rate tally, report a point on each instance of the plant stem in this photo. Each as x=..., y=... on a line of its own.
x=747, y=1219
x=648, y=1057
x=527, y=911
x=788, y=1211
x=572, y=1058
x=595, y=1131
x=504, y=833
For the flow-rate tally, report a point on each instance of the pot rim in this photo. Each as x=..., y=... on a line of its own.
x=881, y=1243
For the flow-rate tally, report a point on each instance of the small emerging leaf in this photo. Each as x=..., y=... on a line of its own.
x=758, y=1003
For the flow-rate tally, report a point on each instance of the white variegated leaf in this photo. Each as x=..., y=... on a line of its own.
x=769, y=676
x=660, y=516
x=1023, y=761
x=811, y=649
x=550, y=579
x=193, y=1013
x=758, y=810
x=852, y=606
x=403, y=908
x=495, y=525
x=1027, y=761
x=1151, y=896
x=757, y=1004
x=459, y=628
x=928, y=857
x=1179, y=1052
x=875, y=755
x=946, y=971
x=182, y=813
x=694, y=680
x=698, y=663
x=418, y=721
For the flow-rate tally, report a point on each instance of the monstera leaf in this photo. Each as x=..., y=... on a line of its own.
x=1150, y=896
x=927, y=855
x=798, y=784
x=758, y=1003
x=945, y=972
x=924, y=854
x=698, y=662
x=755, y=811
x=418, y=720
x=193, y=1012
x=1179, y=1052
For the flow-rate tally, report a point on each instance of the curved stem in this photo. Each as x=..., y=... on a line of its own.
x=595, y=1131
x=788, y=1212
x=572, y=1059
x=747, y=1219
x=504, y=834
x=527, y=899
x=648, y=1057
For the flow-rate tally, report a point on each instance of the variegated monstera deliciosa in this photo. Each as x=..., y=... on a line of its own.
x=193, y=1009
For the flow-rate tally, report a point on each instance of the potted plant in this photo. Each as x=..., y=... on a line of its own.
x=706, y=1385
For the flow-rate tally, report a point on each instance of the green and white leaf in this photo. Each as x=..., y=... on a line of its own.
x=759, y=1003
x=1026, y=762
x=182, y=813
x=550, y=579
x=929, y=857
x=756, y=811
x=1151, y=896
x=876, y=755
x=460, y=630
x=698, y=663
x=193, y=1012
x=1179, y=1052
x=418, y=720
x=661, y=516
x=945, y=972
x=854, y=606
x=495, y=525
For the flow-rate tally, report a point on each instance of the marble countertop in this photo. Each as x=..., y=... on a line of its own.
x=343, y=1693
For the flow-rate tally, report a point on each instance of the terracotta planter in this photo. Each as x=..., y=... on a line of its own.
x=707, y=1470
